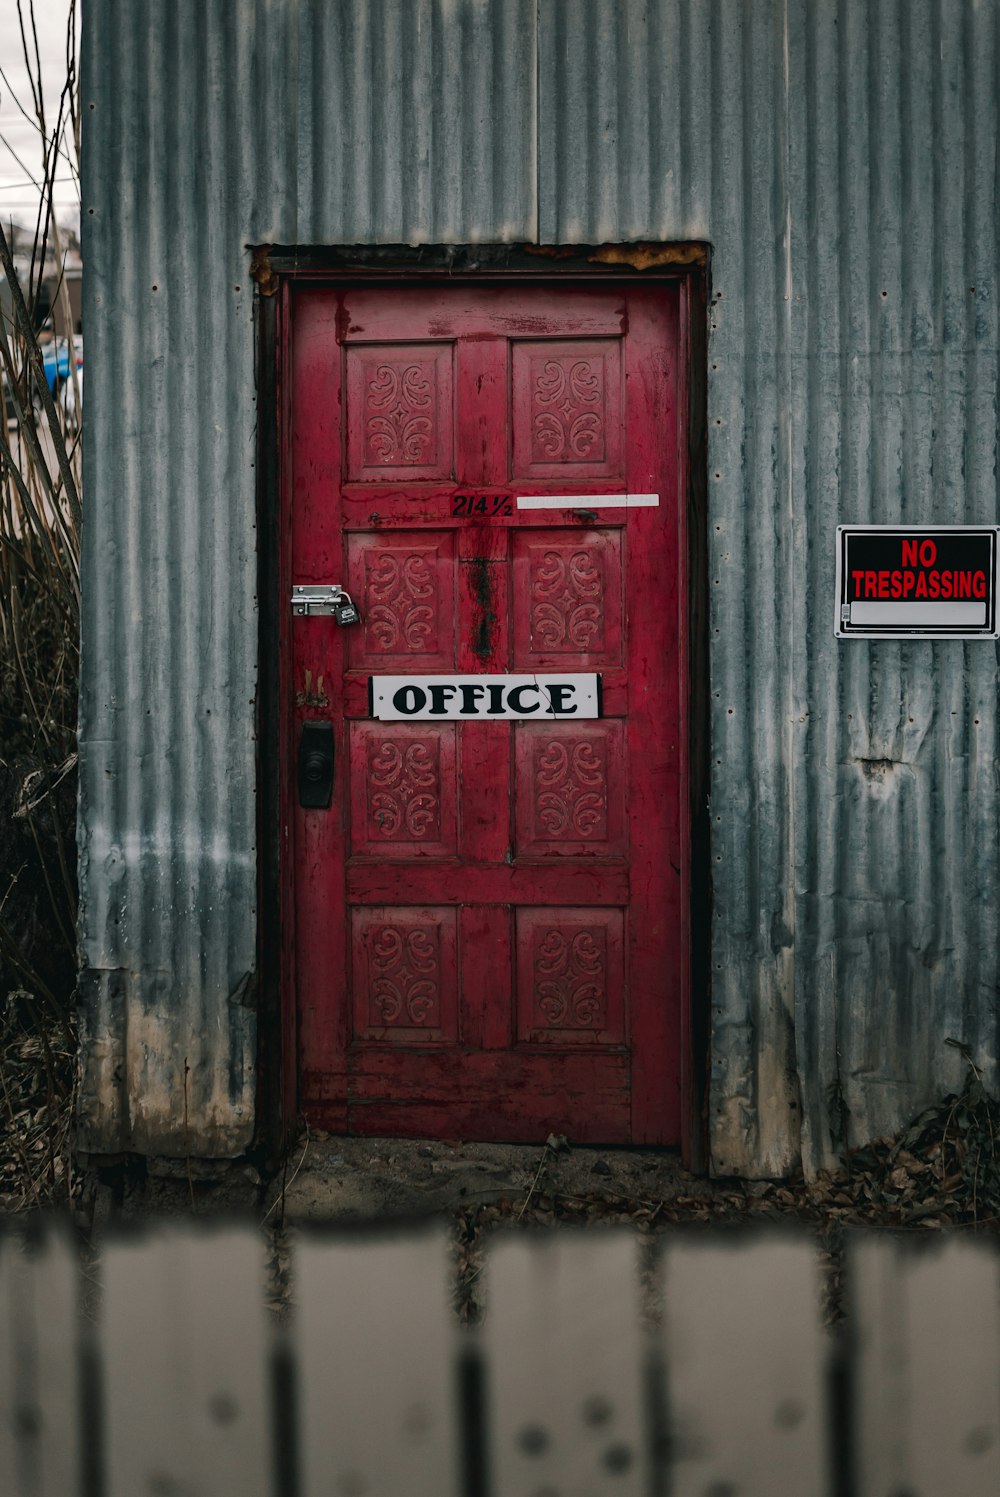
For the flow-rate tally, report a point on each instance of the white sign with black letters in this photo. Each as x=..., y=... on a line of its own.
x=488, y=698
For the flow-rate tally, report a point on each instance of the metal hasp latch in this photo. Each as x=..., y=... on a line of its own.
x=325, y=598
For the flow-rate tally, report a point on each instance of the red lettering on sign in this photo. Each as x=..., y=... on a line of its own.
x=920, y=591
x=883, y=584
x=871, y=584
x=857, y=578
x=928, y=553
x=909, y=583
x=979, y=585
x=910, y=553
x=947, y=584
x=897, y=584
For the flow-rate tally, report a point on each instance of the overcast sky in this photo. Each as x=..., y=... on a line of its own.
x=18, y=137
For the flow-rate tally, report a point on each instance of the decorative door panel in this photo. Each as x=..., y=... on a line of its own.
x=404, y=975
x=567, y=407
x=401, y=418
x=490, y=935
x=568, y=584
x=570, y=977
x=403, y=790
x=404, y=586
x=570, y=790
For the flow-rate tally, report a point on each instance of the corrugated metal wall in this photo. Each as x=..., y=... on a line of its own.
x=841, y=159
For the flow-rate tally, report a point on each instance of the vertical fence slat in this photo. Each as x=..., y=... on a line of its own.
x=927, y=1373
x=377, y=1379
x=39, y=1370
x=186, y=1362
x=8, y=1356
x=746, y=1361
x=186, y=1359
x=564, y=1367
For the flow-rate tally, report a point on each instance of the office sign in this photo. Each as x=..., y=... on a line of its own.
x=490, y=698
x=930, y=582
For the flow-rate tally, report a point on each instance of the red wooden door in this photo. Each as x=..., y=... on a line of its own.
x=490, y=936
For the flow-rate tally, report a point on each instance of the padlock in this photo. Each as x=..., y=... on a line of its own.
x=345, y=610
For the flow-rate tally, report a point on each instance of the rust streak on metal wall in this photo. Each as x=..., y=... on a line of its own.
x=643, y=256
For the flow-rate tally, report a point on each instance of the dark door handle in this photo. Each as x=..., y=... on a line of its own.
x=316, y=765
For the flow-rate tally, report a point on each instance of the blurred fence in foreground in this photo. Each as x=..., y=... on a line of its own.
x=177, y=1381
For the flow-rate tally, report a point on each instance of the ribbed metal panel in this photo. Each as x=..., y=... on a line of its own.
x=168, y=874
x=416, y=122
x=894, y=396
x=211, y=125
x=841, y=160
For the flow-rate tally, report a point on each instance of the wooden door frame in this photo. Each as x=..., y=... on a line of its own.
x=277, y=270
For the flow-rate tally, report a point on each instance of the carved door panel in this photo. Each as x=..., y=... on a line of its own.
x=490, y=938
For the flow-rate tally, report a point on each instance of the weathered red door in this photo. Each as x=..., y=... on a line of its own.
x=490, y=915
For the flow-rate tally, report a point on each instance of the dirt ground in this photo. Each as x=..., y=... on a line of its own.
x=474, y=1189
x=940, y=1173
x=347, y=1179
x=943, y=1170
x=354, y=1178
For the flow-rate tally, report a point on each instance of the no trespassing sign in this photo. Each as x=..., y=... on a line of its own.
x=930, y=582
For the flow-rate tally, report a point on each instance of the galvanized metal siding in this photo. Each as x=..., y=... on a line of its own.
x=210, y=125
x=894, y=390
x=841, y=159
x=415, y=123
x=683, y=110
x=168, y=875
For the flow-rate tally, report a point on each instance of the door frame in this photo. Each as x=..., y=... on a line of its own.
x=277, y=270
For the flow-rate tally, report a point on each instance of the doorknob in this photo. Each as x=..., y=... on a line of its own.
x=316, y=765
